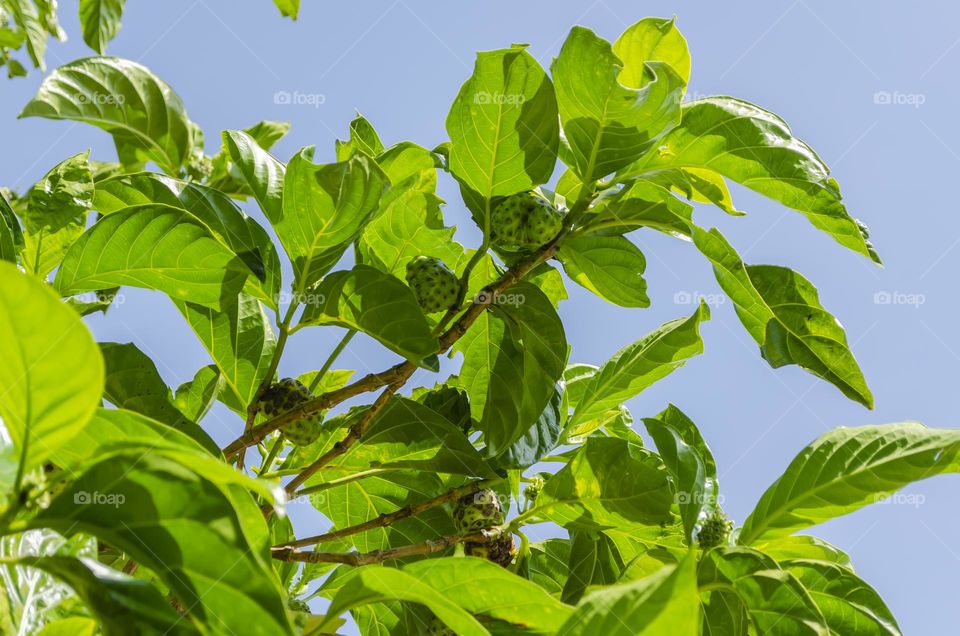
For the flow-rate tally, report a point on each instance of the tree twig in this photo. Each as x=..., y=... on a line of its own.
x=390, y=517
x=355, y=433
x=379, y=556
x=400, y=373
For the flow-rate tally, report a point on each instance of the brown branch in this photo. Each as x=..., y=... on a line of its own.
x=370, y=382
x=378, y=556
x=354, y=434
x=390, y=517
x=396, y=376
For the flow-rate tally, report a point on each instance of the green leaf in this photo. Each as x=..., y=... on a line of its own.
x=609, y=118
x=503, y=125
x=100, y=21
x=798, y=546
x=368, y=300
x=449, y=587
x=547, y=564
x=652, y=39
x=133, y=383
x=43, y=252
x=663, y=603
x=32, y=29
x=72, y=626
x=687, y=469
x=577, y=377
x=642, y=204
x=609, y=266
x=146, y=118
x=51, y=371
x=118, y=431
x=376, y=584
x=513, y=356
x=196, y=397
x=697, y=184
x=757, y=149
x=409, y=435
x=846, y=469
x=263, y=174
x=539, y=439
x=121, y=603
x=364, y=499
x=153, y=247
x=221, y=216
x=183, y=527
x=240, y=341
x=325, y=208
x=11, y=236
x=637, y=366
x=609, y=483
x=363, y=138
x=288, y=8
x=781, y=310
x=848, y=603
x=410, y=226
x=593, y=560
x=776, y=601
x=63, y=197
x=267, y=133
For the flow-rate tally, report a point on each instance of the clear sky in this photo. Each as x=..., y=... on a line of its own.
x=873, y=87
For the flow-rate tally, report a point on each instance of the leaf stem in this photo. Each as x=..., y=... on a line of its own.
x=332, y=358
x=271, y=457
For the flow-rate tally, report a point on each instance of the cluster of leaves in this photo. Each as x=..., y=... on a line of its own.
x=28, y=24
x=155, y=529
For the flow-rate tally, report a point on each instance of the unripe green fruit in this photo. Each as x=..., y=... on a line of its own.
x=284, y=396
x=433, y=283
x=499, y=550
x=532, y=491
x=714, y=531
x=525, y=220
x=477, y=512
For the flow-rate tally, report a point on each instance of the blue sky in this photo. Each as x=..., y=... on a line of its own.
x=872, y=87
